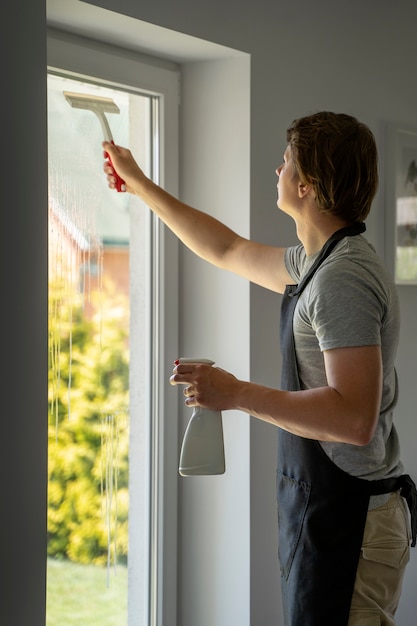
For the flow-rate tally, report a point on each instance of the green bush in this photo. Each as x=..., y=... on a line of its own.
x=88, y=432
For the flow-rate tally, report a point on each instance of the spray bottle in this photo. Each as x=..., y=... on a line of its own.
x=202, y=451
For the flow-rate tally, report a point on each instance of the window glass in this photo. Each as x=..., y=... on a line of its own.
x=96, y=433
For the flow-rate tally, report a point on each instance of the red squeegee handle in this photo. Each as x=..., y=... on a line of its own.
x=120, y=183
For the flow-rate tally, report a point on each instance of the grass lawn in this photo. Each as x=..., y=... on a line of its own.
x=78, y=595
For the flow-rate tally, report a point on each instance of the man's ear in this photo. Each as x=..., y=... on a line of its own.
x=304, y=189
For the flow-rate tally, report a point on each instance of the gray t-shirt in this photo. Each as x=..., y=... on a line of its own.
x=350, y=301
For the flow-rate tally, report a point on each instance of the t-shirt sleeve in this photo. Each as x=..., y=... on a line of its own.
x=344, y=310
x=294, y=259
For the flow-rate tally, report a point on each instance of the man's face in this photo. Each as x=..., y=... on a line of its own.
x=287, y=183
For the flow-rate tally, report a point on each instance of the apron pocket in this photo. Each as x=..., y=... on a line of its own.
x=292, y=496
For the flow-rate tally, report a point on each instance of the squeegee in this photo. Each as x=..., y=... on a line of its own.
x=100, y=106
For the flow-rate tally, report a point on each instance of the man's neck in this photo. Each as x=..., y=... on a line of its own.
x=315, y=231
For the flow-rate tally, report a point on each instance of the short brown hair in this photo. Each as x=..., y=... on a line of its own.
x=337, y=155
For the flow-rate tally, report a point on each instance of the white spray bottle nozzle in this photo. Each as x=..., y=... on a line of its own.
x=184, y=359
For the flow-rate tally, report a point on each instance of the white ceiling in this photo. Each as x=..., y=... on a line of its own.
x=116, y=29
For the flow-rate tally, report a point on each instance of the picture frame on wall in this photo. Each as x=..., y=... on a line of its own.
x=401, y=203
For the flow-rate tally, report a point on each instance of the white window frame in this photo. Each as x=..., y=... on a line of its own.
x=82, y=57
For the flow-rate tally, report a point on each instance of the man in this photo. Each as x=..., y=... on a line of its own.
x=344, y=530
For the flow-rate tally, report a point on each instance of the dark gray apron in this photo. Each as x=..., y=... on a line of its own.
x=321, y=509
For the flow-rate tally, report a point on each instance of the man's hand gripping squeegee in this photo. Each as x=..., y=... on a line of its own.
x=100, y=106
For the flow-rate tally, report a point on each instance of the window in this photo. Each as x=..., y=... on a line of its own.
x=113, y=333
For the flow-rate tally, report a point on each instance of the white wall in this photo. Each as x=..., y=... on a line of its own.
x=355, y=57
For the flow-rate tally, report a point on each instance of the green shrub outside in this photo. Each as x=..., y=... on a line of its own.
x=88, y=430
